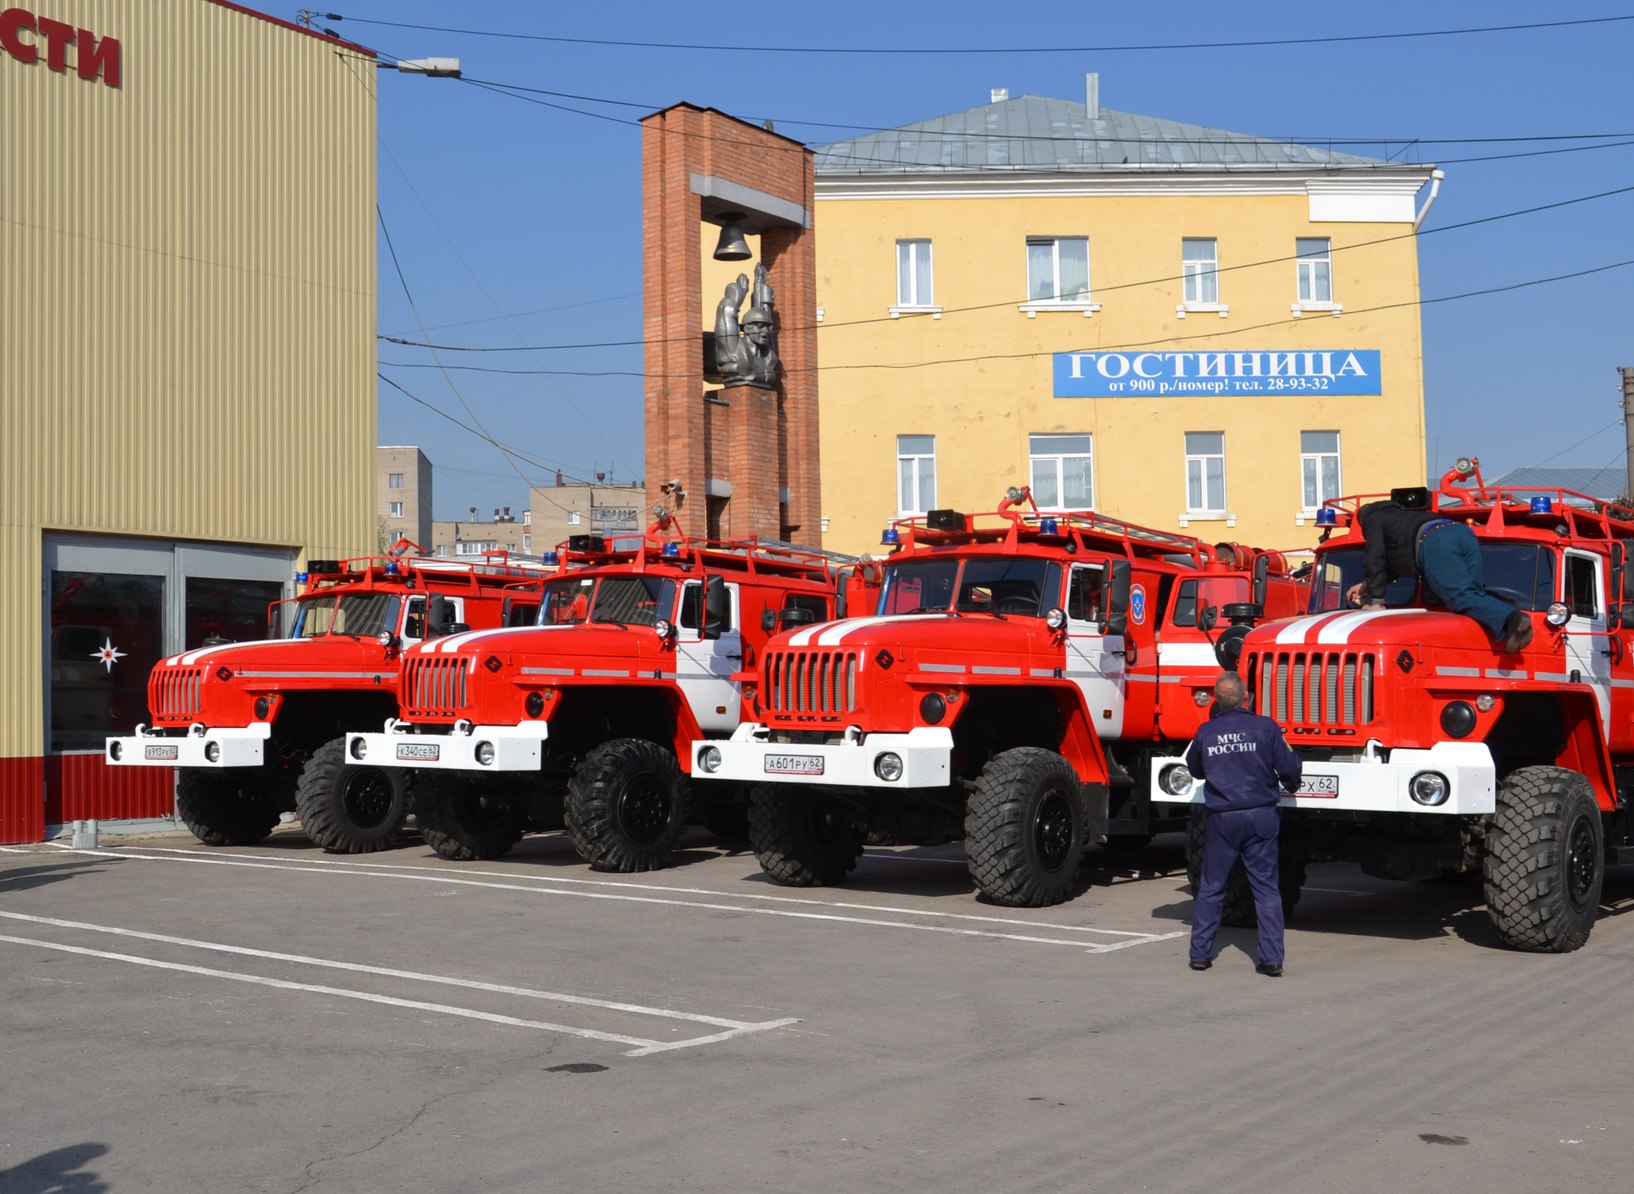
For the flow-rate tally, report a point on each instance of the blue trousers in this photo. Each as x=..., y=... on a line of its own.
x=1450, y=559
x=1250, y=834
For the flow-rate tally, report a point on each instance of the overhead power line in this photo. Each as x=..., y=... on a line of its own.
x=761, y=50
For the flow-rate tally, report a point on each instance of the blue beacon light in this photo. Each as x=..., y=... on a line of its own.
x=551, y=557
x=671, y=550
x=1046, y=526
x=301, y=578
x=1327, y=516
x=891, y=538
x=1542, y=505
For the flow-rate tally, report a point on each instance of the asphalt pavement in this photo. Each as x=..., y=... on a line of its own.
x=279, y=1019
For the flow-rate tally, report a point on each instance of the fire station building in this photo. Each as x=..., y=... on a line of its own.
x=1179, y=326
x=187, y=263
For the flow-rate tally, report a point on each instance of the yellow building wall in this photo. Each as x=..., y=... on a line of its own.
x=187, y=300
x=980, y=377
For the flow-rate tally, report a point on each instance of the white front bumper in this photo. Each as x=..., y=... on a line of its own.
x=516, y=748
x=1379, y=782
x=925, y=753
x=235, y=746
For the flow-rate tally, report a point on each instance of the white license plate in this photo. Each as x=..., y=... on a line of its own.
x=161, y=752
x=419, y=750
x=1318, y=785
x=794, y=764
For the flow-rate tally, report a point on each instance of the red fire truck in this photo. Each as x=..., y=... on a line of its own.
x=1428, y=750
x=1020, y=672
x=255, y=728
x=581, y=719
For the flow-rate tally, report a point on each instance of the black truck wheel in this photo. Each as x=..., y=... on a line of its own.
x=466, y=820
x=348, y=809
x=1545, y=860
x=1025, y=828
x=627, y=806
x=1237, y=910
x=803, y=837
x=235, y=806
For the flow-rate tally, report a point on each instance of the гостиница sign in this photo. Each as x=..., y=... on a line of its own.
x=1217, y=374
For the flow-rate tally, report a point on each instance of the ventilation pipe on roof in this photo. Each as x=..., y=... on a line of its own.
x=1435, y=186
x=1092, y=96
x=1000, y=94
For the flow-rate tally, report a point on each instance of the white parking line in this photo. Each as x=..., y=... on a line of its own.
x=641, y=1045
x=561, y=887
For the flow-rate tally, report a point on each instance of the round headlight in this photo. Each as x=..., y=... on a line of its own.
x=1458, y=719
x=212, y=752
x=932, y=708
x=115, y=750
x=1429, y=788
x=359, y=748
x=535, y=704
x=664, y=627
x=1056, y=619
x=709, y=758
x=485, y=753
x=384, y=638
x=1201, y=697
x=1558, y=614
x=888, y=767
x=1175, y=779
x=263, y=706
x=1485, y=701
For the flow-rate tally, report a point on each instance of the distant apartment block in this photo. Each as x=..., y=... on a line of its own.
x=403, y=486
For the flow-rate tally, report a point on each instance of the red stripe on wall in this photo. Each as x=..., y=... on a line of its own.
x=82, y=787
x=22, y=808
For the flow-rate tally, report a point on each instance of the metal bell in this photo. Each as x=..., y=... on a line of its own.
x=731, y=246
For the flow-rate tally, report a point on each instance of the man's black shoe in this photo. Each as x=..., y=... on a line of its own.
x=1517, y=632
x=1268, y=970
x=1196, y=965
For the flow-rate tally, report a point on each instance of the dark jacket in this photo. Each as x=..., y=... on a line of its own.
x=1392, y=543
x=1243, y=761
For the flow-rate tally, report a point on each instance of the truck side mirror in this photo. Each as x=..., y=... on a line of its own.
x=717, y=607
x=1262, y=575
x=436, y=615
x=1614, y=597
x=768, y=620
x=1207, y=618
x=1116, y=619
x=1620, y=616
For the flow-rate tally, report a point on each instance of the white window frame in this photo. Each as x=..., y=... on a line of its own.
x=1199, y=276
x=918, y=463
x=1308, y=459
x=394, y=509
x=475, y=547
x=1055, y=462
x=394, y=480
x=572, y=518
x=1199, y=460
x=1305, y=278
x=908, y=299
x=1033, y=306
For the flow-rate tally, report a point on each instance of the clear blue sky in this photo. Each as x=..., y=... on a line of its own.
x=517, y=221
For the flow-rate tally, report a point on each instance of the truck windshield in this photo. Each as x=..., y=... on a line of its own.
x=613, y=600
x=995, y=584
x=567, y=602
x=1204, y=591
x=358, y=615
x=1520, y=573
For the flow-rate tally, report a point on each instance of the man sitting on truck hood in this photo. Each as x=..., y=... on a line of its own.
x=1403, y=541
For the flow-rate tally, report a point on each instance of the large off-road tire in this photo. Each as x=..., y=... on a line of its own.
x=803, y=837
x=348, y=809
x=627, y=806
x=235, y=806
x=1545, y=860
x=465, y=820
x=1025, y=828
x=1237, y=910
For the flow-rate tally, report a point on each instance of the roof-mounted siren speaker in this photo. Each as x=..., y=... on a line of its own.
x=1411, y=497
x=316, y=566
x=585, y=543
x=946, y=520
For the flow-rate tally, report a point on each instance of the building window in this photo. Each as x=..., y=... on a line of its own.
x=527, y=544
x=394, y=481
x=916, y=473
x=475, y=547
x=913, y=274
x=1200, y=270
x=1315, y=259
x=572, y=518
x=1058, y=269
x=1063, y=475
x=1318, y=467
x=1205, y=473
x=527, y=518
x=395, y=509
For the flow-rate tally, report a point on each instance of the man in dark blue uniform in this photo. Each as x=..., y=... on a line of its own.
x=1245, y=765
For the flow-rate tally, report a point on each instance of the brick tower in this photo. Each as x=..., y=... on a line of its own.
x=745, y=456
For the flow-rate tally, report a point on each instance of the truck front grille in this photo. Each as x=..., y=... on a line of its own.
x=435, y=686
x=1314, y=688
x=174, y=692
x=823, y=683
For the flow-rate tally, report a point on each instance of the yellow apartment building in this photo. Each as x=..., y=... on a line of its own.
x=1175, y=325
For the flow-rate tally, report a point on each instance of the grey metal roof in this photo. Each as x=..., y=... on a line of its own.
x=1032, y=133
x=1606, y=484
